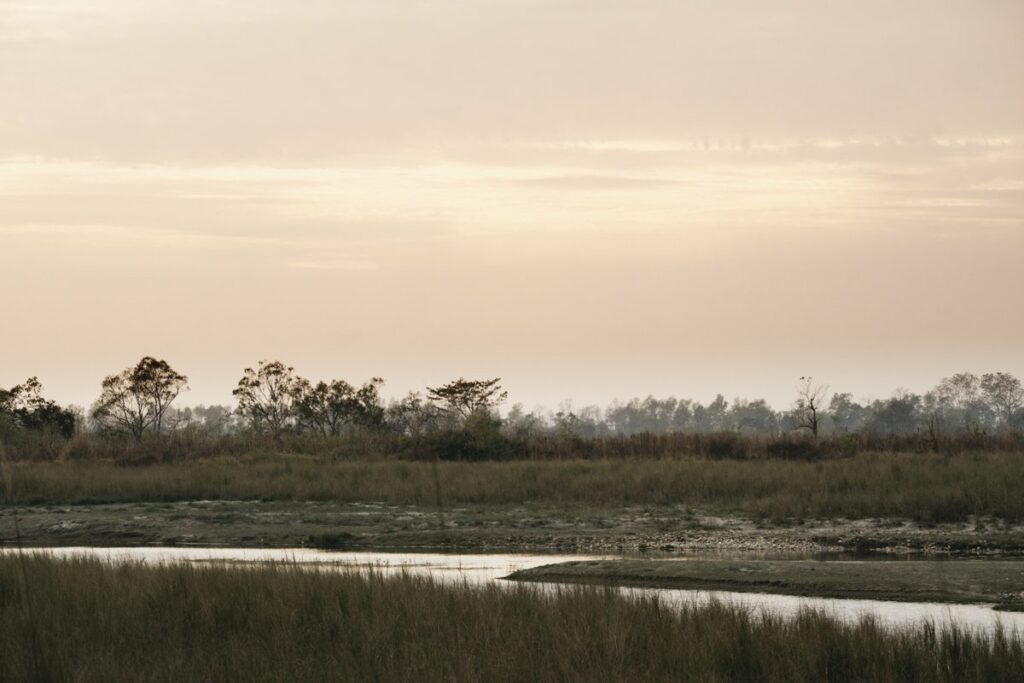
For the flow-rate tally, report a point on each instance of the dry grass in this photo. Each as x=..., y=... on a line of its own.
x=279, y=623
x=924, y=487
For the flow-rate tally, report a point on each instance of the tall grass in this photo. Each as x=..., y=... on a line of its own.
x=491, y=443
x=280, y=623
x=924, y=487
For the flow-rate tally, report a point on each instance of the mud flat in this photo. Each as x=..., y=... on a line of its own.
x=656, y=530
x=999, y=582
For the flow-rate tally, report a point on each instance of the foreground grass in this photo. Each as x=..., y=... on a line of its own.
x=83, y=620
x=922, y=487
x=964, y=581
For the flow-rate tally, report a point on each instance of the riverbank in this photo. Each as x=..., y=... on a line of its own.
x=956, y=581
x=536, y=527
x=282, y=623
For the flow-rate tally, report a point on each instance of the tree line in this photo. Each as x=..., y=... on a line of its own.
x=273, y=400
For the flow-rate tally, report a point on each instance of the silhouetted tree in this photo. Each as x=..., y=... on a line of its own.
x=809, y=403
x=136, y=400
x=24, y=406
x=1004, y=395
x=328, y=408
x=463, y=397
x=266, y=396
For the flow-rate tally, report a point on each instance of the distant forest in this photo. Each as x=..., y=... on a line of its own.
x=463, y=419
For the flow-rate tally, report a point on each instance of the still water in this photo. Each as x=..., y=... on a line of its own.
x=487, y=568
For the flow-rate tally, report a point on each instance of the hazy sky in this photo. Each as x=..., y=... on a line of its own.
x=590, y=199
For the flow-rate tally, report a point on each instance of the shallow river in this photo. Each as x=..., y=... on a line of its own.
x=479, y=569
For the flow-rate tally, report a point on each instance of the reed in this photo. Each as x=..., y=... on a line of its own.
x=923, y=487
x=283, y=623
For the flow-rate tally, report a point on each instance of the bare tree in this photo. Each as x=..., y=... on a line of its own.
x=462, y=397
x=266, y=396
x=809, y=405
x=136, y=400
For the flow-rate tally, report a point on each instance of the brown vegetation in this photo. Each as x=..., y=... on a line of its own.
x=86, y=621
x=924, y=487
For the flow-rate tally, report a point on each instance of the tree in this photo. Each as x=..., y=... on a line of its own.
x=25, y=407
x=414, y=416
x=463, y=398
x=752, y=416
x=266, y=396
x=809, y=403
x=713, y=417
x=216, y=419
x=522, y=424
x=136, y=400
x=897, y=414
x=960, y=397
x=1004, y=395
x=847, y=414
x=328, y=408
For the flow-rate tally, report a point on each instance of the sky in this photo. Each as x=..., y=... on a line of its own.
x=590, y=199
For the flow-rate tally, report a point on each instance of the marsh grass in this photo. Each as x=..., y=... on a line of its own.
x=925, y=487
x=486, y=441
x=280, y=622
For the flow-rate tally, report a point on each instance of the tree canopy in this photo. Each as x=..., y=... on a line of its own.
x=136, y=400
x=464, y=397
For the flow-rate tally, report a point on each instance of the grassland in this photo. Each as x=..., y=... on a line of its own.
x=85, y=621
x=892, y=502
x=925, y=488
x=965, y=581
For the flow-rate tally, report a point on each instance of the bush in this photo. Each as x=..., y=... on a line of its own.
x=797, y=449
x=480, y=438
x=725, y=445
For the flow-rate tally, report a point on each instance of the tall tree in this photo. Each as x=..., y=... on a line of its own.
x=961, y=398
x=463, y=397
x=136, y=399
x=1004, y=394
x=329, y=408
x=267, y=395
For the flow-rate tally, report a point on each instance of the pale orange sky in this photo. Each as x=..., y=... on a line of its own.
x=589, y=199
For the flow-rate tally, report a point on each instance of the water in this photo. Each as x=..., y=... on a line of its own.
x=486, y=568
